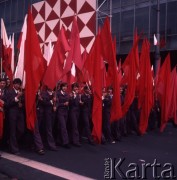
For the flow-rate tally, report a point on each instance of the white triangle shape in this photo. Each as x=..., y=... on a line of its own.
x=88, y=48
x=41, y=46
x=68, y=12
x=80, y=3
x=42, y=33
x=85, y=17
x=92, y=3
x=82, y=49
x=38, y=19
x=86, y=32
x=52, y=37
x=48, y=10
x=52, y=23
x=67, y=1
x=38, y=6
x=56, y=8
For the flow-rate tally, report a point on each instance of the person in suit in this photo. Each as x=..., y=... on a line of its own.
x=48, y=105
x=74, y=111
x=3, y=95
x=86, y=113
x=2, y=101
x=106, y=113
x=38, y=144
x=62, y=114
x=15, y=110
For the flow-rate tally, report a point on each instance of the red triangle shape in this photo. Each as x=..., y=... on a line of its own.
x=80, y=24
x=39, y=26
x=85, y=41
x=63, y=7
x=47, y=31
x=52, y=16
x=42, y=11
x=67, y=20
x=86, y=8
x=40, y=40
x=51, y=2
x=72, y=5
x=56, y=29
x=91, y=24
x=46, y=43
x=34, y=12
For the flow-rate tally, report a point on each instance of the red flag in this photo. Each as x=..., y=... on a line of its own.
x=116, y=111
x=109, y=54
x=130, y=74
x=107, y=43
x=97, y=92
x=85, y=75
x=6, y=52
x=74, y=55
x=173, y=93
x=136, y=49
x=145, y=99
x=163, y=90
x=34, y=67
x=55, y=68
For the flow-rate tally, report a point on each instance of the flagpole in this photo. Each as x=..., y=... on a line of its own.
x=157, y=50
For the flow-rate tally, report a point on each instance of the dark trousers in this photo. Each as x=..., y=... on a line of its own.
x=107, y=126
x=49, y=127
x=86, y=125
x=62, y=116
x=16, y=128
x=36, y=134
x=132, y=121
x=73, y=121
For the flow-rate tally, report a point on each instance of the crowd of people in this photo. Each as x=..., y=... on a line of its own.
x=64, y=116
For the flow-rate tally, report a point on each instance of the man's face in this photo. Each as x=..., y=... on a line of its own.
x=110, y=91
x=2, y=84
x=76, y=90
x=64, y=88
x=17, y=86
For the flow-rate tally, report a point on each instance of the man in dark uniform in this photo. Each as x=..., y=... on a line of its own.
x=62, y=114
x=74, y=111
x=2, y=104
x=39, y=147
x=15, y=107
x=48, y=105
x=133, y=118
x=86, y=112
x=106, y=125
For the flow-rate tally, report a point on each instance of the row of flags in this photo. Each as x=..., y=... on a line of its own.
x=65, y=62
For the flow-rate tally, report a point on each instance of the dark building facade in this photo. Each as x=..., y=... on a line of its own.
x=127, y=15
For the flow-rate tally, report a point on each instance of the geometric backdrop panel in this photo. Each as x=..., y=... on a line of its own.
x=50, y=15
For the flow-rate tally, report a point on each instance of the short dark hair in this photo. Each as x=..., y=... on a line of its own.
x=63, y=85
x=17, y=81
x=2, y=79
x=109, y=88
x=86, y=88
x=74, y=85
